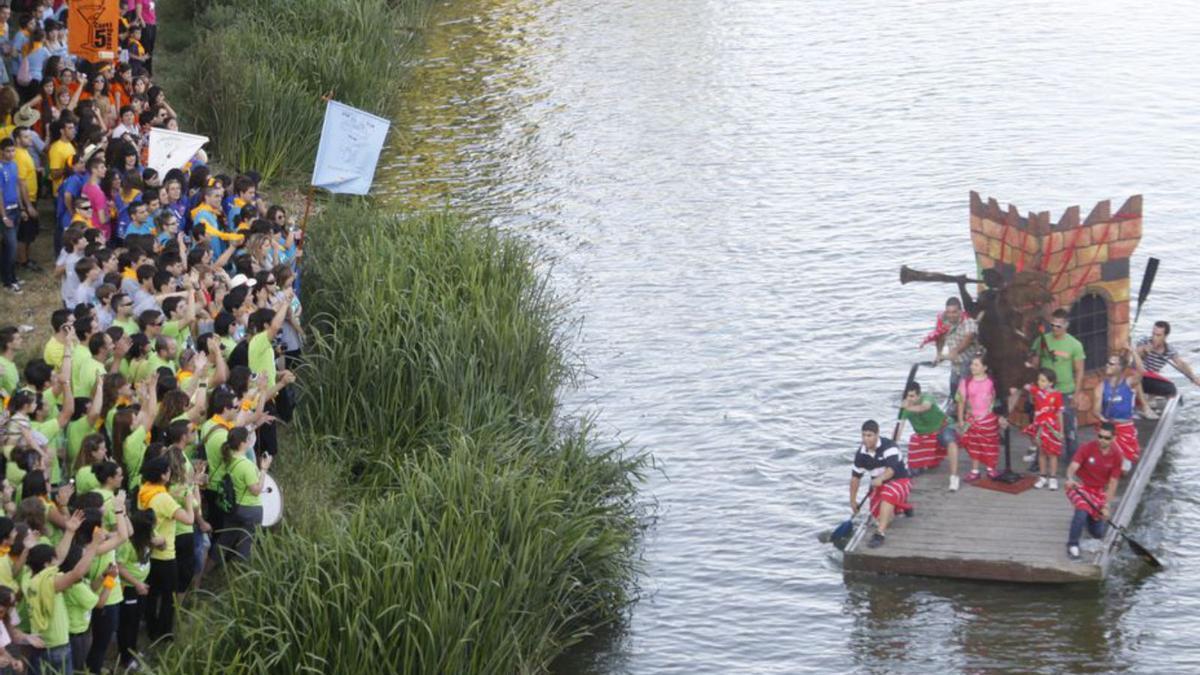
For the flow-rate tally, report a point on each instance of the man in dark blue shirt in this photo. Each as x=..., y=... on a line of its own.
x=880, y=460
x=10, y=189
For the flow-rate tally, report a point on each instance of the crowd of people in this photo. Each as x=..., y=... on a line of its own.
x=976, y=413
x=136, y=438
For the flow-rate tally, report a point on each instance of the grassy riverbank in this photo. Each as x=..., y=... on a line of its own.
x=474, y=532
x=441, y=515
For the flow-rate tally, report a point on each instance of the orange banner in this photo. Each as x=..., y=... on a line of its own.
x=92, y=28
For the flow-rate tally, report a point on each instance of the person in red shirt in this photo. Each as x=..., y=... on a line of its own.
x=1092, y=477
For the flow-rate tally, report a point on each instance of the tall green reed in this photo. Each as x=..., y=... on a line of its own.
x=256, y=71
x=465, y=564
x=468, y=527
x=424, y=327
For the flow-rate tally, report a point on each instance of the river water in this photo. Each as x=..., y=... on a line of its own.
x=725, y=190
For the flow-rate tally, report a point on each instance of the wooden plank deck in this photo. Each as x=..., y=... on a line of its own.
x=984, y=534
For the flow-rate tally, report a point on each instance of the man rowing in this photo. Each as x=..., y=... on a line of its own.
x=1156, y=353
x=933, y=437
x=880, y=459
x=1092, y=477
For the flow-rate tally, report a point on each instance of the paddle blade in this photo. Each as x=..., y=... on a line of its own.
x=842, y=534
x=843, y=542
x=1142, y=553
x=825, y=536
x=1147, y=279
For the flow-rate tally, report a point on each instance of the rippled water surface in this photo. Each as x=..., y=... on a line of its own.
x=726, y=189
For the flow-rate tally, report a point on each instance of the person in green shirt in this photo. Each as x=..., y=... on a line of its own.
x=131, y=431
x=45, y=595
x=133, y=562
x=163, y=356
x=86, y=421
x=223, y=327
x=90, y=639
x=933, y=437
x=82, y=599
x=85, y=375
x=92, y=451
x=247, y=479
x=180, y=317
x=51, y=421
x=8, y=616
x=136, y=366
x=10, y=343
x=1062, y=353
x=262, y=326
x=179, y=437
x=122, y=306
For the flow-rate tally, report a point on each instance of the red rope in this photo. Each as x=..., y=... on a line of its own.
x=1070, y=253
x=1095, y=257
x=1021, y=260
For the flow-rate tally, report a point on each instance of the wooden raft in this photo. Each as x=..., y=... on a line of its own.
x=985, y=534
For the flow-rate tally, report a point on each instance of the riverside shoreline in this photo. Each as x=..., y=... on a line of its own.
x=440, y=509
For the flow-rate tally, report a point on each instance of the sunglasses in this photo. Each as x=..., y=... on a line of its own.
x=1104, y=438
x=85, y=208
x=1058, y=325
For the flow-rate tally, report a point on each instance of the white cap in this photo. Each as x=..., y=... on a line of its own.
x=242, y=280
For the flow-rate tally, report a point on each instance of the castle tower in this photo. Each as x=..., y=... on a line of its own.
x=1085, y=266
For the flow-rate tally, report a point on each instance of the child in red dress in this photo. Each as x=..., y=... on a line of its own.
x=1046, y=429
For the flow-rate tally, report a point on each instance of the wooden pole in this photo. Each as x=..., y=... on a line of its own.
x=308, y=200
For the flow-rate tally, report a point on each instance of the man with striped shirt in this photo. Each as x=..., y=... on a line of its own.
x=1156, y=354
x=880, y=460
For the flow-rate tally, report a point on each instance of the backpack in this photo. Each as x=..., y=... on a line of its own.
x=227, y=496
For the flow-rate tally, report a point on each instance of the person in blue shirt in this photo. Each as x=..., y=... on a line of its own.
x=139, y=221
x=37, y=57
x=12, y=188
x=64, y=201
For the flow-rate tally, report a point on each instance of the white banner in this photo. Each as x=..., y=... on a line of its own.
x=351, y=141
x=172, y=149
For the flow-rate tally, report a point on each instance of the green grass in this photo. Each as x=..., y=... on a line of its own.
x=255, y=72
x=441, y=329
x=452, y=521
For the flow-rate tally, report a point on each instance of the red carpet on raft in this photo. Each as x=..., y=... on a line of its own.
x=1016, y=488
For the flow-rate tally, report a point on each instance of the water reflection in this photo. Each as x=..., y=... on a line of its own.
x=908, y=625
x=725, y=190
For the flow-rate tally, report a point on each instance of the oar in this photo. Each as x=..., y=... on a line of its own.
x=1141, y=551
x=840, y=535
x=1144, y=291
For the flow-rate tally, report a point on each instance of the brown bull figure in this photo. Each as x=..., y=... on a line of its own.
x=1010, y=313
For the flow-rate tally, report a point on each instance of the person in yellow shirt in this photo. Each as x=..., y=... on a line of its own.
x=44, y=595
x=63, y=323
x=61, y=150
x=164, y=575
x=27, y=229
